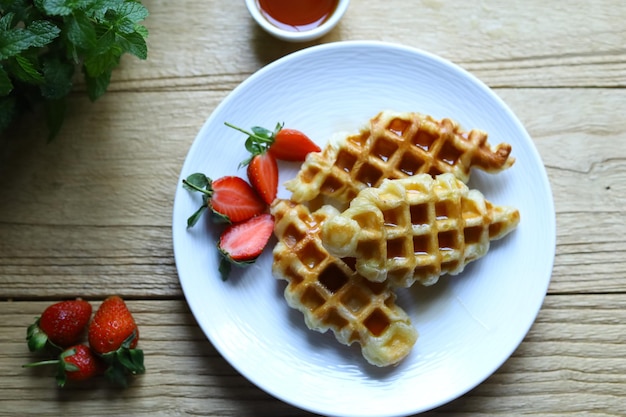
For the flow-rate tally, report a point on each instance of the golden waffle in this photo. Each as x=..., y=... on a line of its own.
x=394, y=145
x=416, y=229
x=330, y=294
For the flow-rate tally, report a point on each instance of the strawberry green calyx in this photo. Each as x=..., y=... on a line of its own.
x=204, y=185
x=123, y=362
x=241, y=244
x=226, y=263
x=38, y=340
x=63, y=367
x=230, y=198
x=77, y=363
x=259, y=139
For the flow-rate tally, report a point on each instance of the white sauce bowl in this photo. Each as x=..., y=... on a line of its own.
x=302, y=36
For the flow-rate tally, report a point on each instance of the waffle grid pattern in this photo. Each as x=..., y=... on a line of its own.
x=331, y=295
x=416, y=229
x=396, y=145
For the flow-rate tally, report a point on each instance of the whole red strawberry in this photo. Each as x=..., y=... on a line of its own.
x=292, y=145
x=113, y=334
x=283, y=144
x=60, y=325
x=76, y=363
x=112, y=325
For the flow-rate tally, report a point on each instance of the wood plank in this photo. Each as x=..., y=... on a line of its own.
x=85, y=261
x=582, y=143
x=575, y=347
x=521, y=45
x=133, y=158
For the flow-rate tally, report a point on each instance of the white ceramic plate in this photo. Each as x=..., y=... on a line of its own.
x=469, y=324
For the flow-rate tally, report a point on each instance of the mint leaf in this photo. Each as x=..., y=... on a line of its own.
x=102, y=63
x=42, y=42
x=63, y=7
x=57, y=76
x=56, y=7
x=104, y=57
x=123, y=25
x=127, y=15
x=135, y=12
x=38, y=34
x=41, y=33
x=5, y=83
x=134, y=43
x=6, y=21
x=81, y=32
x=97, y=86
x=142, y=30
x=99, y=8
x=26, y=70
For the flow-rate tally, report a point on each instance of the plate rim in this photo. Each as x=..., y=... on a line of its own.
x=422, y=54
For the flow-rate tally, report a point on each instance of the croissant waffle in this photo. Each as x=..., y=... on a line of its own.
x=394, y=145
x=330, y=294
x=416, y=229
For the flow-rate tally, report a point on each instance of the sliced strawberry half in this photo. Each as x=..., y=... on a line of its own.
x=263, y=175
x=234, y=198
x=230, y=198
x=241, y=244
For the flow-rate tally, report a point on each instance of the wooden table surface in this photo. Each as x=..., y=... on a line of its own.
x=90, y=214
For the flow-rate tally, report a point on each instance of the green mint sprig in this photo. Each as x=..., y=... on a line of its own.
x=43, y=43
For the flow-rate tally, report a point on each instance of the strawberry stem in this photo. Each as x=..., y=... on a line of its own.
x=245, y=132
x=41, y=363
x=259, y=134
x=196, y=188
x=202, y=184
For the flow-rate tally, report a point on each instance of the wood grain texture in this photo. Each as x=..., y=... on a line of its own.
x=582, y=142
x=571, y=363
x=520, y=44
x=90, y=214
